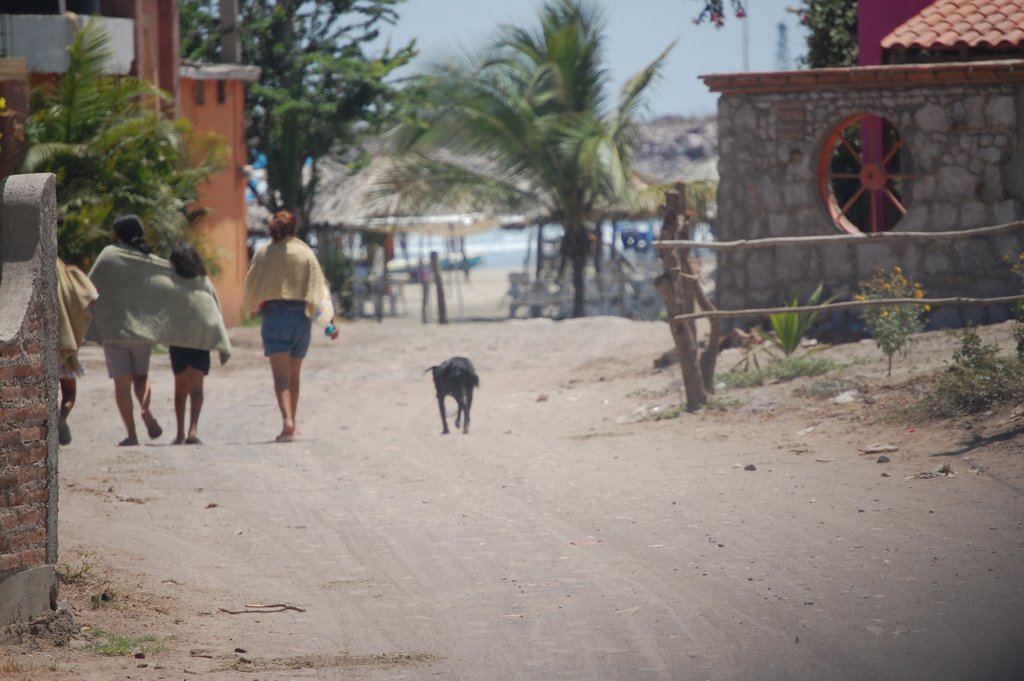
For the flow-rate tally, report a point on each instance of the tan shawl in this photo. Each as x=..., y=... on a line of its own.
x=75, y=293
x=285, y=270
x=143, y=299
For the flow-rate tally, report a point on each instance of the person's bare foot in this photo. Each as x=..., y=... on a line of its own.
x=193, y=441
x=178, y=440
x=152, y=426
x=286, y=436
x=129, y=442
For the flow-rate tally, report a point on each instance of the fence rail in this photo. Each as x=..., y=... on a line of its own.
x=687, y=302
x=855, y=239
x=842, y=305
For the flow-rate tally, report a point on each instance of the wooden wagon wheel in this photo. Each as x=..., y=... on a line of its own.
x=860, y=171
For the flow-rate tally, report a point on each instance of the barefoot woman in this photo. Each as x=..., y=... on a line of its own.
x=285, y=285
x=126, y=352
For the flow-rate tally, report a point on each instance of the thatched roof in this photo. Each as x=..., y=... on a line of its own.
x=352, y=200
x=671, y=149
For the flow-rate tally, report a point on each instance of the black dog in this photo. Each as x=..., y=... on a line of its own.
x=457, y=378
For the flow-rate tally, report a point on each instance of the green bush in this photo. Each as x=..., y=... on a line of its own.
x=893, y=327
x=977, y=378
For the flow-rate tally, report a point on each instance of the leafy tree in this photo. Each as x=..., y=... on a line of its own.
x=113, y=151
x=832, y=26
x=525, y=122
x=832, y=40
x=319, y=93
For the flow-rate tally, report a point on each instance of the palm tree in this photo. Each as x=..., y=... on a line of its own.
x=531, y=110
x=114, y=151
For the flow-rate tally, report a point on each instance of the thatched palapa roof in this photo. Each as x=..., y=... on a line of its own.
x=353, y=200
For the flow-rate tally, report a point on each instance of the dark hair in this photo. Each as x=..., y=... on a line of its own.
x=129, y=230
x=282, y=225
x=187, y=261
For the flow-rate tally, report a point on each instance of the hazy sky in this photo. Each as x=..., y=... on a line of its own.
x=637, y=31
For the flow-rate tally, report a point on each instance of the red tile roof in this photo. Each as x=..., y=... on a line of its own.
x=946, y=24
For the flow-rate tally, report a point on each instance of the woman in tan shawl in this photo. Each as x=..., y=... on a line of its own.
x=286, y=286
x=127, y=359
x=75, y=293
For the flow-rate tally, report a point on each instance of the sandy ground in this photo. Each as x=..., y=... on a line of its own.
x=570, y=535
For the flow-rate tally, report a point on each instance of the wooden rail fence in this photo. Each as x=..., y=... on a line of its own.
x=686, y=302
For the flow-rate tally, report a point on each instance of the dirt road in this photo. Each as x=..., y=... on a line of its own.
x=566, y=537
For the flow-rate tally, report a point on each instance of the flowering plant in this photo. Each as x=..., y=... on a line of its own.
x=714, y=11
x=893, y=326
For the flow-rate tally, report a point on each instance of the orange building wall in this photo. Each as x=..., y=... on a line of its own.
x=225, y=226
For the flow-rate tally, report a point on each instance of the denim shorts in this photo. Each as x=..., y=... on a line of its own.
x=285, y=328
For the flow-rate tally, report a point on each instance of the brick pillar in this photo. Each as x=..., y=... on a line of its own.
x=28, y=397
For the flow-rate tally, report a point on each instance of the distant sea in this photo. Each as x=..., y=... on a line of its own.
x=513, y=248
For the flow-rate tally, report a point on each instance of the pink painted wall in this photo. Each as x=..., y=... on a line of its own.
x=876, y=19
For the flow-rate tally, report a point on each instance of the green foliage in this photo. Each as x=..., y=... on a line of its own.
x=69, y=574
x=893, y=326
x=199, y=26
x=803, y=365
x=114, y=152
x=831, y=26
x=977, y=378
x=1017, y=267
x=529, y=123
x=107, y=643
x=339, y=270
x=319, y=92
x=790, y=327
x=832, y=38
x=719, y=403
x=784, y=369
x=743, y=378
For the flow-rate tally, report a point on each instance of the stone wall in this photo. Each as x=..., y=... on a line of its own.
x=28, y=397
x=963, y=140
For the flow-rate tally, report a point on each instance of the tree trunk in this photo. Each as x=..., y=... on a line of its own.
x=576, y=248
x=579, y=285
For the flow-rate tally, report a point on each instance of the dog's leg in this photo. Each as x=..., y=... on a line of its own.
x=459, y=400
x=444, y=417
x=469, y=403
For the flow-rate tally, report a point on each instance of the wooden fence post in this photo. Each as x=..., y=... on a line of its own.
x=435, y=268
x=673, y=290
x=425, y=299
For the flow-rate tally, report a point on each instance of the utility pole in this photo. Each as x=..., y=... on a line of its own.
x=746, y=36
x=230, y=50
x=782, y=49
